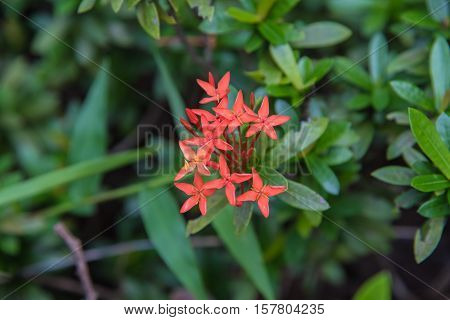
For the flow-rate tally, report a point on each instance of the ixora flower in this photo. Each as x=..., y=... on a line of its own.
x=224, y=139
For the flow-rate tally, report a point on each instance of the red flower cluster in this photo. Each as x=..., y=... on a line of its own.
x=221, y=147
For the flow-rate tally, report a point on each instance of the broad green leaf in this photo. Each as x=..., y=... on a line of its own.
x=429, y=141
x=322, y=34
x=243, y=15
x=89, y=139
x=439, y=10
x=275, y=32
x=46, y=182
x=283, y=55
x=86, y=5
x=215, y=207
x=314, y=217
x=296, y=141
x=254, y=43
x=320, y=69
x=380, y=97
x=401, y=142
x=408, y=199
x=323, y=174
x=272, y=177
x=281, y=7
x=411, y=156
x=359, y=101
x=440, y=72
x=221, y=22
x=407, y=60
x=378, y=58
x=365, y=132
x=427, y=238
x=245, y=249
x=204, y=8
x=353, y=73
x=148, y=18
x=116, y=5
x=242, y=216
x=166, y=230
x=377, y=287
x=334, y=131
x=264, y=7
x=284, y=108
x=399, y=117
x=412, y=94
x=172, y=93
x=337, y=156
x=443, y=128
x=400, y=176
x=435, y=207
x=301, y=197
x=430, y=182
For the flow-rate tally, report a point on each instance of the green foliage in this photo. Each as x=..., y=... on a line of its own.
x=377, y=287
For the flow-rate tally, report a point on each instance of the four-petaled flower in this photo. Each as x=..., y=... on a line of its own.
x=227, y=180
x=265, y=122
x=198, y=192
x=215, y=94
x=215, y=144
x=260, y=193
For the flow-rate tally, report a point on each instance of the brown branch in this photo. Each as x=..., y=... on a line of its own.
x=75, y=246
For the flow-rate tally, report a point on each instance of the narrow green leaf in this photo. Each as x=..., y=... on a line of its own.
x=365, y=132
x=322, y=34
x=400, y=176
x=89, y=138
x=86, y=5
x=148, y=18
x=353, y=73
x=283, y=55
x=243, y=15
x=378, y=58
x=165, y=229
x=440, y=72
x=46, y=182
x=221, y=21
x=438, y=9
x=407, y=60
x=430, y=182
x=429, y=141
x=443, y=127
x=401, y=142
x=333, y=133
x=408, y=199
x=264, y=7
x=377, y=287
x=435, y=207
x=301, y=197
x=215, y=207
x=116, y=5
x=242, y=216
x=275, y=32
x=337, y=156
x=412, y=94
x=246, y=250
x=380, y=98
x=323, y=174
x=281, y=7
x=427, y=238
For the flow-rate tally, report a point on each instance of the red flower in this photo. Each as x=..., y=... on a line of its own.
x=260, y=193
x=227, y=180
x=215, y=94
x=198, y=192
x=194, y=160
x=239, y=115
x=266, y=123
x=211, y=138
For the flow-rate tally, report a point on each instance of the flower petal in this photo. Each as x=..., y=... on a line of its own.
x=222, y=145
x=247, y=196
x=202, y=205
x=223, y=104
x=203, y=169
x=204, y=113
x=209, y=89
x=238, y=105
x=226, y=113
x=189, y=203
x=214, y=184
x=263, y=111
x=188, y=153
x=263, y=204
x=254, y=128
x=270, y=131
x=274, y=190
x=184, y=171
x=198, y=182
x=240, y=177
x=187, y=188
x=257, y=182
x=224, y=82
x=230, y=191
x=223, y=167
x=211, y=79
x=207, y=100
x=277, y=120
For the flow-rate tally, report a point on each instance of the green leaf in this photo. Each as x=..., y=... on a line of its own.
x=337, y=156
x=430, y=182
x=320, y=69
x=323, y=174
x=165, y=229
x=435, y=207
x=242, y=216
x=408, y=199
x=221, y=22
x=282, y=7
x=399, y=117
x=314, y=217
x=353, y=73
x=272, y=177
x=301, y=197
x=86, y=5
x=378, y=58
x=89, y=139
x=246, y=250
x=283, y=55
x=400, y=176
x=380, y=98
x=243, y=15
x=172, y=93
x=322, y=34
x=204, y=8
x=401, y=142
x=440, y=72
x=365, y=132
x=48, y=181
x=296, y=141
x=254, y=43
x=407, y=60
x=443, y=128
x=275, y=32
x=116, y=5
x=438, y=10
x=427, y=238
x=429, y=141
x=377, y=287
x=412, y=94
x=334, y=131
x=148, y=18
x=264, y=7
x=215, y=207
